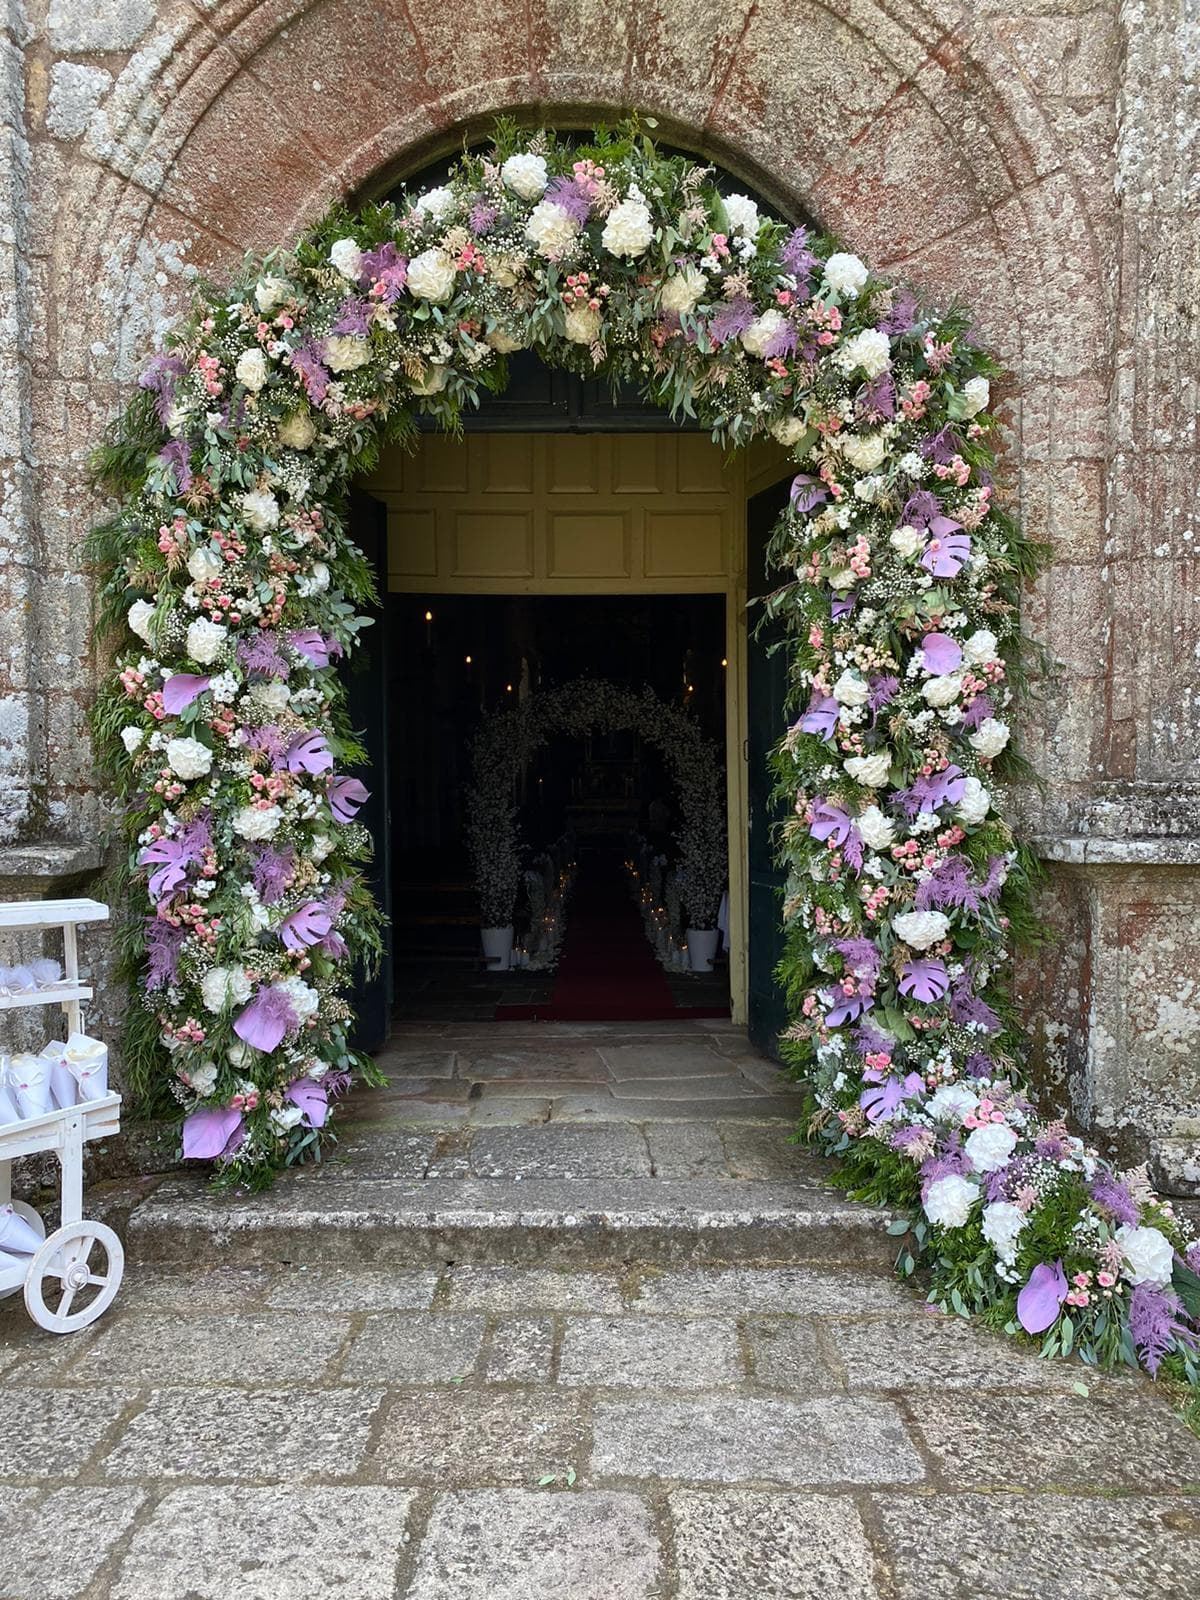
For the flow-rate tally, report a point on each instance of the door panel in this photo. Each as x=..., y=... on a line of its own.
x=766, y=693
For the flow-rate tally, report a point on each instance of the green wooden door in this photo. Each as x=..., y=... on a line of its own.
x=767, y=688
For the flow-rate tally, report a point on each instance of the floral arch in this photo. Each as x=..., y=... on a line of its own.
x=507, y=741
x=237, y=589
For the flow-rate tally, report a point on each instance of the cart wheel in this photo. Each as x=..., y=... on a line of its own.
x=65, y=1258
x=38, y=1226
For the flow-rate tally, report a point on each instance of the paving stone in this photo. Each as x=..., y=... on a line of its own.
x=1132, y=1441
x=786, y=1353
x=53, y=1544
x=282, y=1543
x=473, y=1436
x=560, y=1152
x=941, y=1353
x=663, y=1060
x=357, y=1289
x=744, y=1546
x=649, y=1352
x=513, y=1544
x=219, y=1433
x=563, y=1063
x=50, y=1433
x=836, y=1439
x=532, y=1289
x=686, y=1150
x=402, y=1061
x=509, y=1110
x=797, y=1291
x=755, y=1151
x=520, y=1351
x=396, y=1349
x=699, y=1091
x=152, y=1288
x=245, y=1348
x=1041, y=1547
x=365, y=1150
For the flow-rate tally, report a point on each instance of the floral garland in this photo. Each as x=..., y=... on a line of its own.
x=506, y=742
x=226, y=735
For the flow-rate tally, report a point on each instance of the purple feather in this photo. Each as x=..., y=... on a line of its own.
x=978, y=711
x=883, y=689
x=920, y=508
x=862, y=958
x=178, y=456
x=1111, y=1195
x=272, y=871
x=903, y=315
x=163, y=944
x=795, y=256
x=942, y=446
x=354, y=316
x=385, y=266
x=1156, y=1325
x=306, y=359
x=877, y=399
x=731, y=320
x=160, y=378
x=483, y=218
x=263, y=655
x=782, y=342
x=568, y=196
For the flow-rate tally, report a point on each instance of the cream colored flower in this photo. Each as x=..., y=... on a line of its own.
x=297, y=431
x=525, y=175
x=346, y=352
x=628, y=229
x=346, y=256
x=761, y=331
x=431, y=276
x=550, y=229
x=252, y=370
x=582, y=325
x=683, y=291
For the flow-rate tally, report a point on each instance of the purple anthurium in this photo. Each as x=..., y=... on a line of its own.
x=181, y=688
x=807, y=492
x=881, y=1103
x=946, y=553
x=849, y=1007
x=939, y=788
x=211, y=1132
x=314, y=646
x=1039, y=1301
x=940, y=654
x=265, y=1021
x=841, y=606
x=926, y=980
x=308, y=752
x=312, y=1098
x=821, y=716
x=173, y=860
x=308, y=925
x=830, y=822
x=346, y=796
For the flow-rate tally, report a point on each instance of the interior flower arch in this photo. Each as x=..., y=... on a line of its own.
x=236, y=589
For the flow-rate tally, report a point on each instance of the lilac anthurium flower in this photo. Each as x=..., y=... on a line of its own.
x=883, y=1102
x=312, y=1098
x=946, y=553
x=926, y=980
x=940, y=654
x=807, y=492
x=939, y=788
x=308, y=752
x=265, y=1021
x=308, y=925
x=821, y=716
x=1039, y=1301
x=830, y=822
x=842, y=606
x=173, y=861
x=849, y=1007
x=212, y=1131
x=181, y=688
x=346, y=796
x=314, y=646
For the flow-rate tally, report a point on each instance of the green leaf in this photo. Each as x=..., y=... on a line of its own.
x=547, y=1478
x=901, y=1225
x=1080, y=1388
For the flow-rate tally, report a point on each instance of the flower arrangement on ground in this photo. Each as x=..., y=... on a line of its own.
x=238, y=588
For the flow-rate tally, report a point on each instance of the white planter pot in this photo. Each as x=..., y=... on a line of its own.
x=702, y=947
x=497, y=947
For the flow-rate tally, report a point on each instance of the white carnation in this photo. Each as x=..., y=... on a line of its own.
x=273, y=696
x=629, y=229
x=952, y=1102
x=789, y=431
x=431, y=276
x=251, y=370
x=982, y=647
x=188, y=758
x=551, y=229
x=683, y=290
x=742, y=214
x=869, y=352
x=761, y=331
x=224, y=986
x=286, y=1117
x=582, y=325
x=131, y=737
x=989, y=1148
x=976, y=392
x=271, y=292
x=139, y=616
x=1002, y=1224
x=920, y=929
x=297, y=431
x=975, y=804
x=255, y=822
x=845, y=274
x=870, y=770
x=205, y=640
x=989, y=738
x=204, y=564
x=949, y=1200
x=851, y=689
x=1148, y=1256
x=943, y=691
x=525, y=175
x=346, y=352
x=260, y=509
x=202, y=1080
x=877, y=830
x=435, y=205
x=907, y=541
x=347, y=258
x=866, y=451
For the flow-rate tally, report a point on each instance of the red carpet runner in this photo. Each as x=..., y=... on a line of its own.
x=608, y=971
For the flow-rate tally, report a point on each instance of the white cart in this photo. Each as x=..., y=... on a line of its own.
x=79, y=1257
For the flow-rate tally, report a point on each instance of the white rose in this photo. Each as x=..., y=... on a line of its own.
x=949, y=1200
x=188, y=758
x=320, y=846
x=981, y=647
x=876, y=829
x=976, y=392
x=1002, y=1224
x=318, y=578
x=260, y=509
x=582, y=325
x=907, y=541
x=551, y=229
x=272, y=696
x=943, y=691
x=251, y=370
x=525, y=175
x=789, y=431
x=437, y=375
x=431, y=276
x=435, y=205
x=869, y=352
x=202, y=1080
x=920, y=929
x=975, y=804
x=501, y=340
x=989, y=738
x=845, y=274
x=851, y=690
x=297, y=431
x=284, y=1118
x=628, y=230
x=866, y=451
x=205, y=640
x=683, y=290
x=347, y=258
x=224, y=986
x=270, y=292
x=346, y=352
x=131, y=737
x=743, y=216
x=870, y=770
x=251, y=822
x=952, y=1102
x=204, y=564
x=988, y=1148
x=761, y=331
x=139, y=616
x=1148, y=1255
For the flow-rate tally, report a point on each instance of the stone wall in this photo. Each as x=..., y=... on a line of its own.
x=1036, y=157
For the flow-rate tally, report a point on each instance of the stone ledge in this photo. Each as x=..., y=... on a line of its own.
x=41, y=866
x=1088, y=850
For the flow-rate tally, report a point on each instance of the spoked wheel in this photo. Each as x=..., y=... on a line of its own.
x=74, y=1277
x=38, y=1226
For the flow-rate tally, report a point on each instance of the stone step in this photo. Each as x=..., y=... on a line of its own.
x=544, y=1222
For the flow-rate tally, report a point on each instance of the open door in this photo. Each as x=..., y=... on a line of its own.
x=367, y=701
x=766, y=692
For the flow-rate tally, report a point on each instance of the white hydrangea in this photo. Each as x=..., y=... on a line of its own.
x=989, y=738
x=742, y=214
x=139, y=616
x=982, y=647
x=582, y=325
x=188, y=758
x=952, y=1102
x=503, y=341
x=251, y=370
x=205, y=640
x=305, y=1002
x=297, y=431
x=435, y=205
x=628, y=229
x=907, y=541
x=866, y=451
x=431, y=276
x=975, y=804
x=273, y=696
x=346, y=256
x=943, y=691
x=869, y=352
x=260, y=509
x=271, y=292
x=525, y=175
x=949, y=1200
x=845, y=274
x=683, y=290
x=1148, y=1256
x=257, y=822
x=204, y=564
x=1002, y=1224
x=877, y=830
x=851, y=689
x=131, y=737
x=789, y=431
x=989, y=1148
x=870, y=770
x=761, y=331
x=224, y=986
x=920, y=929
x=976, y=392
x=550, y=229
x=346, y=352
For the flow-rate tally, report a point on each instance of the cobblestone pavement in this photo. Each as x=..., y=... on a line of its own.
x=265, y=1415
